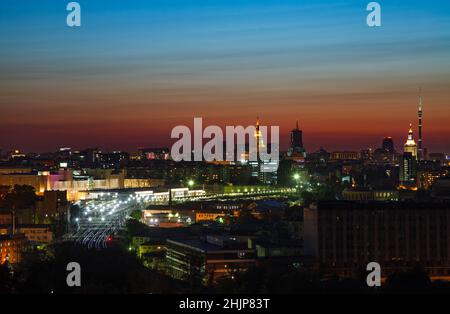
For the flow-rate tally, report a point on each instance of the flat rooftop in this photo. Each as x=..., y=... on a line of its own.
x=203, y=246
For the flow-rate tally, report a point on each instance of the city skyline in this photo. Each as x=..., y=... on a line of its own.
x=224, y=154
x=285, y=141
x=135, y=70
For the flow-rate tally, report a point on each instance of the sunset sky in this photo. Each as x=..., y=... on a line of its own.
x=135, y=69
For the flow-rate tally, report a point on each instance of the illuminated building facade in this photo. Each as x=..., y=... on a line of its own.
x=363, y=194
x=11, y=248
x=408, y=162
x=410, y=144
x=408, y=169
x=154, y=153
x=209, y=215
x=261, y=168
x=72, y=181
x=347, y=155
x=132, y=183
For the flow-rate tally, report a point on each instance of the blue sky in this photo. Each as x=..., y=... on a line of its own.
x=173, y=60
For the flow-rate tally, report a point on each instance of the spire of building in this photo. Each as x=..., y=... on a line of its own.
x=257, y=132
x=296, y=126
x=420, y=99
x=259, y=135
x=419, y=116
x=410, y=144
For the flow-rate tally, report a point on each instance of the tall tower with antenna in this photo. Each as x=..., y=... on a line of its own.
x=419, y=115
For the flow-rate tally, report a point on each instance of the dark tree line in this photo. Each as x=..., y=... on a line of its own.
x=110, y=271
x=275, y=279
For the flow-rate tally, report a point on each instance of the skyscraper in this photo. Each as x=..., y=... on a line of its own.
x=419, y=115
x=296, y=138
x=410, y=144
x=297, y=142
x=256, y=164
x=388, y=145
x=385, y=154
x=260, y=167
x=408, y=169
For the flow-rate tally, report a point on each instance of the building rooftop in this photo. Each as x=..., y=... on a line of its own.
x=205, y=246
x=377, y=205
